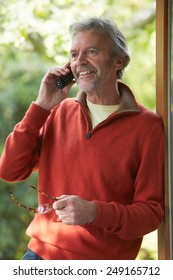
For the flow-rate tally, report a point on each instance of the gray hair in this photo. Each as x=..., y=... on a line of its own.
x=109, y=29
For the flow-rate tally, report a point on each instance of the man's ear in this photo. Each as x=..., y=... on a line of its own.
x=119, y=62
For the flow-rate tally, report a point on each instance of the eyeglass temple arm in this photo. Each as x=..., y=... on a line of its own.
x=43, y=193
x=22, y=205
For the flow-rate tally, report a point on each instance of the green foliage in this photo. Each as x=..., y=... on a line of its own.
x=14, y=220
x=146, y=254
x=34, y=37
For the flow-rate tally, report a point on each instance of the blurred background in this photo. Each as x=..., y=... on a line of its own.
x=34, y=37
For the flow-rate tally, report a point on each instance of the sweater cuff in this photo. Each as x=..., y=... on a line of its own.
x=106, y=215
x=36, y=116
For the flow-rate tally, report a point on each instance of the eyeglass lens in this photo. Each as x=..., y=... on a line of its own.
x=44, y=208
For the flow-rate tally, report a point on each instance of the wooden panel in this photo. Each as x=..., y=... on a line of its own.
x=162, y=109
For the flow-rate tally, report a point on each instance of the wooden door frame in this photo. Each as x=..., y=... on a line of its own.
x=163, y=50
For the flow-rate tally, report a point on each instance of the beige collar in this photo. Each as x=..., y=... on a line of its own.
x=127, y=104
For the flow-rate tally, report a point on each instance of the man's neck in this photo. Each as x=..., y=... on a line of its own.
x=107, y=97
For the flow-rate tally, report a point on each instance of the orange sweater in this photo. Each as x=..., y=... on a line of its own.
x=118, y=164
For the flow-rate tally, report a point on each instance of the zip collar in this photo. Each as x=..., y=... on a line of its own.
x=127, y=104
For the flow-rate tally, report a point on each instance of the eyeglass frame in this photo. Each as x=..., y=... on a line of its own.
x=40, y=208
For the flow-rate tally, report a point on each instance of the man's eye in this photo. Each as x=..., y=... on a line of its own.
x=74, y=55
x=92, y=52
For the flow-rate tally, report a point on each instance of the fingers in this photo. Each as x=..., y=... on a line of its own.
x=54, y=72
x=59, y=70
x=49, y=94
x=62, y=210
x=62, y=202
x=74, y=210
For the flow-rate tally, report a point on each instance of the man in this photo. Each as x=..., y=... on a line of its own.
x=100, y=155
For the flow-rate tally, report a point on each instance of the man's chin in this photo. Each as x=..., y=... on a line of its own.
x=87, y=87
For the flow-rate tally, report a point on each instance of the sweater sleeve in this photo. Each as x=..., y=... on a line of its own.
x=21, y=153
x=145, y=213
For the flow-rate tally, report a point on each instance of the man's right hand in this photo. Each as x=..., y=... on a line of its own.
x=49, y=94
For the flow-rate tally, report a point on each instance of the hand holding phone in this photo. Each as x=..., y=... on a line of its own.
x=64, y=80
x=48, y=96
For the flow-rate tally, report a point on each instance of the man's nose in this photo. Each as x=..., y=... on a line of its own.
x=82, y=59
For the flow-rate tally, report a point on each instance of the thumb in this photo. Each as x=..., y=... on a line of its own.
x=61, y=202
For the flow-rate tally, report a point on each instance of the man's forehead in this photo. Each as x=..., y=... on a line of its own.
x=91, y=39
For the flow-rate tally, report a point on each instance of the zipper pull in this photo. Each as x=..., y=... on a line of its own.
x=88, y=135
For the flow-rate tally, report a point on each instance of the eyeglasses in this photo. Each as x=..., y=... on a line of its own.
x=42, y=208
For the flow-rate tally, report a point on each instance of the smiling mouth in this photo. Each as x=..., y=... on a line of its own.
x=85, y=73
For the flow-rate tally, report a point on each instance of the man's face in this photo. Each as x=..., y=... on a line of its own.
x=91, y=63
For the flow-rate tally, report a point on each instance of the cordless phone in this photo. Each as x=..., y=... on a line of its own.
x=64, y=80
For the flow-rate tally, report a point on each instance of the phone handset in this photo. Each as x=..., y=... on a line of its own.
x=63, y=80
